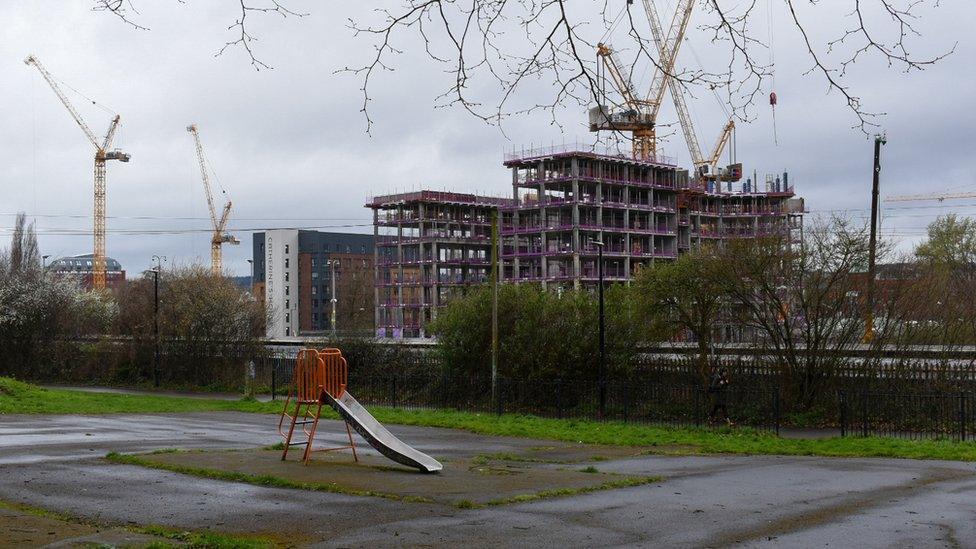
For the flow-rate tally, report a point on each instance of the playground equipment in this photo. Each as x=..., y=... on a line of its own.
x=320, y=378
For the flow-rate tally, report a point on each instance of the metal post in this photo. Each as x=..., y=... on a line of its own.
x=156, y=328
x=494, y=305
x=332, y=265
x=603, y=342
x=962, y=417
x=159, y=267
x=842, y=400
x=872, y=250
x=864, y=414
x=274, y=378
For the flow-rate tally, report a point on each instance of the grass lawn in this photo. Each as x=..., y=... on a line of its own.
x=22, y=398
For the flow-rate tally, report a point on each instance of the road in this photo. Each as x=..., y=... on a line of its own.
x=55, y=462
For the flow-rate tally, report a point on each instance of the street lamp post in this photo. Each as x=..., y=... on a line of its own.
x=602, y=372
x=155, y=272
x=250, y=263
x=332, y=266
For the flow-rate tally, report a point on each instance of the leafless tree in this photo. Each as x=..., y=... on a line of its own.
x=493, y=50
x=803, y=300
x=240, y=30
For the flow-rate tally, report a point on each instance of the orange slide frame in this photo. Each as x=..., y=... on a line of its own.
x=317, y=371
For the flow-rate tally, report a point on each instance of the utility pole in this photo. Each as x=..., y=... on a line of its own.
x=155, y=273
x=873, y=243
x=494, y=307
x=602, y=371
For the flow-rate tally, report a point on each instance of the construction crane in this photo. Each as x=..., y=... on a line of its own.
x=705, y=167
x=640, y=115
x=219, y=237
x=934, y=196
x=102, y=154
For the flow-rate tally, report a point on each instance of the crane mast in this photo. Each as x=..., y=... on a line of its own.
x=704, y=167
x=102, y=154
x=219, y=237
x=641, y=115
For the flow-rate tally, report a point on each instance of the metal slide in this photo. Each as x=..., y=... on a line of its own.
x=378, y=436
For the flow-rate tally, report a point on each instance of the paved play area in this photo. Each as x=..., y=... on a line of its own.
x=57, y=463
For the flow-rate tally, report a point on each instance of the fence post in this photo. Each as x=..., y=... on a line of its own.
x=500, y=398
x=559, y=398
x=274, y=379
x=864, y=413
x=626, y=390
x=962, y=416
x=698, y=420
x=776, y=410
x=393, y=391
x=842, y=402
x=444, y=390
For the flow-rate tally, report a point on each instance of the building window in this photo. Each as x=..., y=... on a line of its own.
x=363, y=247
x=325, y=247
x=313, y=262
x=287, y=277
x=286, y=250
x=287, y=318
x=315, y=274
x=314, y=290
x=287, y=331
x=287, y=290
x=287, y=304
x=287, y=263
x=315, y=317
x=315, y=302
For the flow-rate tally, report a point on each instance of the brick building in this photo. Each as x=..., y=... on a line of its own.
x=299, y=273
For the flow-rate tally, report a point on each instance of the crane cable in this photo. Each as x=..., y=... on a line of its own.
x=772, y=66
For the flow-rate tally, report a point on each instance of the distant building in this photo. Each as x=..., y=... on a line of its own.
x=79, y=267
x=295, y=272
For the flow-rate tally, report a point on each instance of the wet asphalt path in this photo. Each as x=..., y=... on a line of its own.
x=54, y=462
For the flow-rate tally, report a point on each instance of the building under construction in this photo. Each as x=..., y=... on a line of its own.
x=431, y=246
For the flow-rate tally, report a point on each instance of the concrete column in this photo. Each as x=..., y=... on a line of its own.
x=376, y=269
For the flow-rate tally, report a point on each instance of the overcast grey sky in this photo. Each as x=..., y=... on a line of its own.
x=289, y=146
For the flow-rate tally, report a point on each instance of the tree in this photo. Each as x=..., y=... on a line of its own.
x=506, y=47
x=686, y=296
x=209, y=326
x=951, y=242
x=803, y=299
x=38, y=312
x=543, y=335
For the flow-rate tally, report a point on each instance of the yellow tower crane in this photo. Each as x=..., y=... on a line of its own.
x=102, y=154
x=640, y=115
x=219, y=237
x=706, y=168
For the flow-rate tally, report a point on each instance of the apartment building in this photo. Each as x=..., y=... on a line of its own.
x=314, y=282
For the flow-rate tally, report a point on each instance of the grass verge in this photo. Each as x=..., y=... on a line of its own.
x=257, y=480
x=183, y=538
x=628, y=482
x=22, y=398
